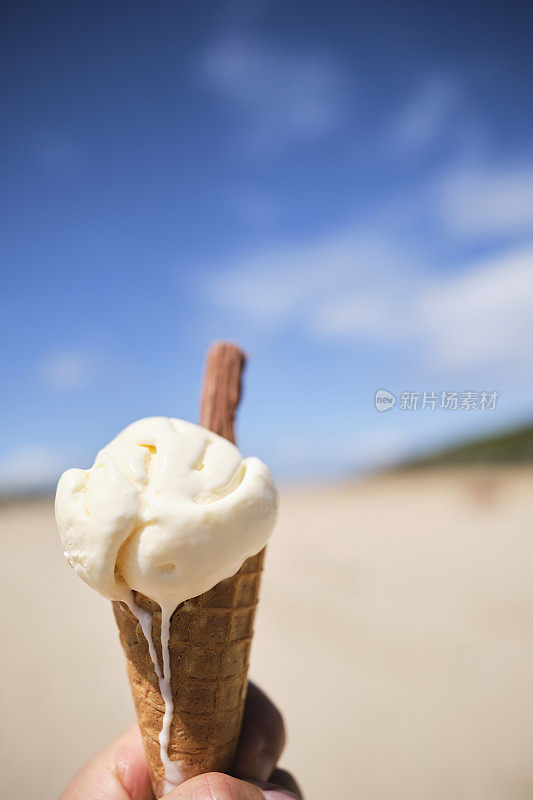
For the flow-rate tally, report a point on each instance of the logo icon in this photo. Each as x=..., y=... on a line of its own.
x=384, y=400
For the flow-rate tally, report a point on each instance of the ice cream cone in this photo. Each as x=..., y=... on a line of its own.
x=167, y=512
x=210, y=637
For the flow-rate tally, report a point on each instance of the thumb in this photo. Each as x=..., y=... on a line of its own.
x=118, y=772
x=215, y=786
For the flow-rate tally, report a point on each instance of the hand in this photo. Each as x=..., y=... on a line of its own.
x=120, y=772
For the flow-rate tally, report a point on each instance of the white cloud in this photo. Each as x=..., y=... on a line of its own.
x=478, y=316
x=371, y=314
x=483, y=200
x=360, y=288
x=422, y=120
x=68, y=371
x=30, y=468
x=483, y=315
x=285, y=96
x=303, y=281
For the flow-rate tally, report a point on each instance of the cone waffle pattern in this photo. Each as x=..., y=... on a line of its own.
x=209, y=647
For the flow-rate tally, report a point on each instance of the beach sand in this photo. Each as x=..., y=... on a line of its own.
x=395, y=631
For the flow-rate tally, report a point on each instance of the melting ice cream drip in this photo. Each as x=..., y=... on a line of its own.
x=173, y=773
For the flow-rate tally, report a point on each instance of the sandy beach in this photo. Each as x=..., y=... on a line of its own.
x=395, y=631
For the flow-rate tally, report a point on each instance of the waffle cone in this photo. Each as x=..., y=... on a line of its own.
x=209, y=647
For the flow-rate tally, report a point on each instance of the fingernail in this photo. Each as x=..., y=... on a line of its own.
x=271, y=792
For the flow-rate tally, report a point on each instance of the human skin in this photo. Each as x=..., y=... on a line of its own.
x=120, y=772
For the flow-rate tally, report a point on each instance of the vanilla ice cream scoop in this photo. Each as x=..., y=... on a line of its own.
x=169, y=509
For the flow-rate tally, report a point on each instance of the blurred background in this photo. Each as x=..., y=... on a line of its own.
x=346, y=190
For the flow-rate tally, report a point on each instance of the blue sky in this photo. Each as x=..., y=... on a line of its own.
x=345, y=190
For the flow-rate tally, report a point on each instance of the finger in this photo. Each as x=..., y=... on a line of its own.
x=262, y=737
x=215, y=786
x=118, y=772
x=281, y=786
